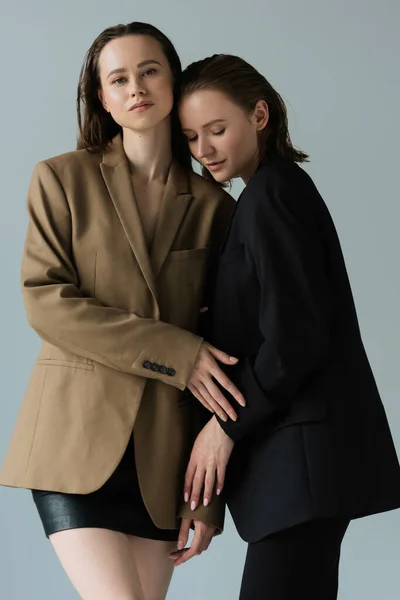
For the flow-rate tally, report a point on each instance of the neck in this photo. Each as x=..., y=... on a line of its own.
x=149, y=152
x=250, y=168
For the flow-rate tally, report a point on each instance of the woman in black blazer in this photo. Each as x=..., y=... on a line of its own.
x=312, y=449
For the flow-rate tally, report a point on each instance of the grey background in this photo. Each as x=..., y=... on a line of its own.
x=337, y=64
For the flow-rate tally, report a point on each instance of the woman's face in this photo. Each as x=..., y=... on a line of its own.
x=221, y=135
x=136, y=82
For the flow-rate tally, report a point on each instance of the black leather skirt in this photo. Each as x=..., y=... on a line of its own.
x=117, y=505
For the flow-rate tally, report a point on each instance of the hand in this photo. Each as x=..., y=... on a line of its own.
x=202, y=386
x=208, y=461
x=203, y=535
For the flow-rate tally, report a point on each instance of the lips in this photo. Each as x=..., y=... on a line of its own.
x=139, y=105
x=215, y=165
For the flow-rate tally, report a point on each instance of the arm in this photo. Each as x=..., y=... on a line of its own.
x=283, y=248
x=61, y=315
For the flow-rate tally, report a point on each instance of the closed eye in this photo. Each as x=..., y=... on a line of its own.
x=218, y=132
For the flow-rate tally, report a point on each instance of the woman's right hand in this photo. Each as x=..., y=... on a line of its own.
x=203, y=387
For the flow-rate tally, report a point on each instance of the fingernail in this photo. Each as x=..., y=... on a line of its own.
x=218, y=491
x=242, y=402
x=224, y=418
x=233, y=417
x=180, y=545
x=193, y=505
x=233, y=359
x=186, y=497
x=205, y=502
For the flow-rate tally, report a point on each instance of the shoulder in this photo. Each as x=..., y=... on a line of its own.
x=281, y=185
x=69, y=164
x=280, y=176
x=205, y=190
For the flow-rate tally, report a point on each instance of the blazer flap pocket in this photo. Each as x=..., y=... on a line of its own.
x=54, y=356
x=301, y=413
x=191, y=254
x=56, y=362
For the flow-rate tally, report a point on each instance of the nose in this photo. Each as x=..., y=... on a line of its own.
x=204, y=148
x=137, y=87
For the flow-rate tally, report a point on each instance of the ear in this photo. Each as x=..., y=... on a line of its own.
x=260, y=116
x=103, y=102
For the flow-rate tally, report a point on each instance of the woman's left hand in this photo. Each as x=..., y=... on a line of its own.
x=208, y=461
x=203, y=534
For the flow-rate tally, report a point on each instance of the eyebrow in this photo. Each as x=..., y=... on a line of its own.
x=209, y=123
x=144, y=63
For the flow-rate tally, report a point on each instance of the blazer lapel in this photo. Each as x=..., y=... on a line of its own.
x=115, y=171
x=175, y=203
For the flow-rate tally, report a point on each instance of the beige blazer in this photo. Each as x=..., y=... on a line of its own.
x=118, y=327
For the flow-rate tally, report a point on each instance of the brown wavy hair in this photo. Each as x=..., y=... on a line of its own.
x=96, y=126
x=245, y=86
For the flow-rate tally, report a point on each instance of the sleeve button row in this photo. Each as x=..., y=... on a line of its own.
x=160, y=368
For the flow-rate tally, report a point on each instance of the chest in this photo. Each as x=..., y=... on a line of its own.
x=148, y=199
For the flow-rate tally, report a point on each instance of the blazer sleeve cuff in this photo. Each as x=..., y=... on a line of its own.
x=174, y=359
x=213, y=514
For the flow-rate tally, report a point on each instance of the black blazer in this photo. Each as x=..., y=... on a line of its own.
x=313, y=440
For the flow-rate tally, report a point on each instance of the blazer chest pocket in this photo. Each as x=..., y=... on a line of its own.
x=191, y=254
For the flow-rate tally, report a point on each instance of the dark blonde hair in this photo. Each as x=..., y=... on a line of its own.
x=96, y=126
x=245, y=86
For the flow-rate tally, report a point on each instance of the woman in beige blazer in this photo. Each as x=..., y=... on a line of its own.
x=120, y=235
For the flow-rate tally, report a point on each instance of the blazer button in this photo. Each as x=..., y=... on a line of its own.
x=163, y=370
x=154, y=366
x=147, y=364
x=171, y=372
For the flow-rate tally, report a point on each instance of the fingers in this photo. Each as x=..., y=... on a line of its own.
x=214, y=404
x=202, y=394
x=197, y=486
x=198, y=394
x=208, y=539
x=187, y=554
x=189, y=476
x=218, y=401
x=220, y=478
x=221, y=356
x=229, y=386
x=208, y=486
x=184, y=533
x=201, y=540
x=220, y=375
x=203, y=387
x=202, y=479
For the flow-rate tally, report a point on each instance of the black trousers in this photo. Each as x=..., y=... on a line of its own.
x=301, y=562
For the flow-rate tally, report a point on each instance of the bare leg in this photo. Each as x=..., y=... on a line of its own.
x=99, y=563
x=154, y=567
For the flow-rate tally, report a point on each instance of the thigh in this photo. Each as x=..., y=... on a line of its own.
x=154, y=566
x=99, y=563
x=301, y=562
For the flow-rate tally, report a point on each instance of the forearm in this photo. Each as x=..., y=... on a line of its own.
x=113, y=337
